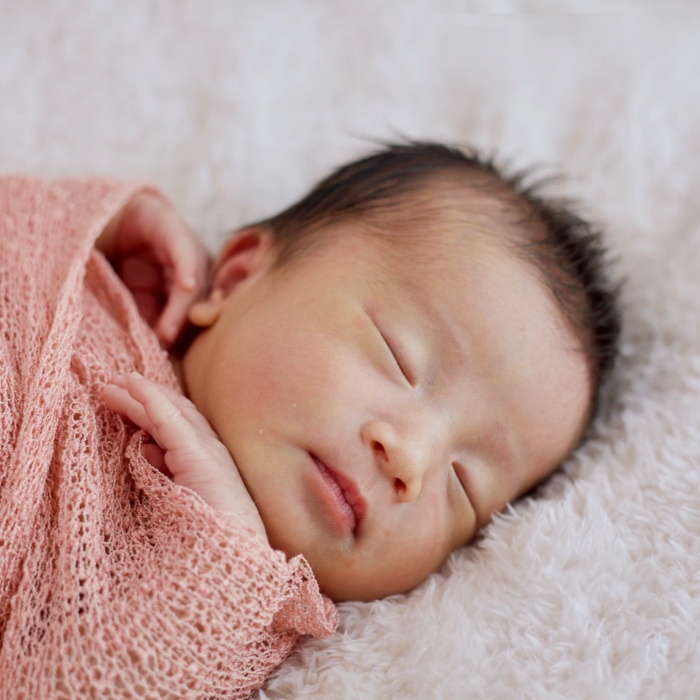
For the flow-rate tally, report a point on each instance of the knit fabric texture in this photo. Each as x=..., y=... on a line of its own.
x=114, y=582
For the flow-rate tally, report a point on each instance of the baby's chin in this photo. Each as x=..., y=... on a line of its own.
x=356, y=582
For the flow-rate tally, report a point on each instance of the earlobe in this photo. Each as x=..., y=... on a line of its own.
x=206, y=312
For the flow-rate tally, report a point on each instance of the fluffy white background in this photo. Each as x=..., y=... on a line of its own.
x=591, y=589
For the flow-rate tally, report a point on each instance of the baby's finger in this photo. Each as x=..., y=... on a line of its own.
x=118, y=399
x=118, y=379
x=186, y=263
x=166, y=422
x=155, y=456
x=141, y=273
x=188, y=409
x=199, y=423
x=181, y=253
x=174, y=316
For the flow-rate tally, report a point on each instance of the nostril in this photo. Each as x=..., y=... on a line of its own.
x=379, y=449
x=399, y=487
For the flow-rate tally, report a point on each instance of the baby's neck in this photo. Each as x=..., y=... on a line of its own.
x=176, y=354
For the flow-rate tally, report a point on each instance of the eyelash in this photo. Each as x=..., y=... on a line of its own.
x=399, y=363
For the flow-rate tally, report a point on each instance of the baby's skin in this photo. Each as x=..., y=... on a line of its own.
x=371, y=402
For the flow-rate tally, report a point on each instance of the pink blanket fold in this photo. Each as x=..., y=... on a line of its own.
x=114, y=582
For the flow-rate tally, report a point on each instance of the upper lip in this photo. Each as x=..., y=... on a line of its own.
x=350, y=491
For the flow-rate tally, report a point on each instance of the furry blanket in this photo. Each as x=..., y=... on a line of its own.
x=590, y=589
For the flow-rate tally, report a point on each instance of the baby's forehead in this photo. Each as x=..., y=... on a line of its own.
x=451, y=211
x=436, y=236
x=429, y=234
x=446, y=259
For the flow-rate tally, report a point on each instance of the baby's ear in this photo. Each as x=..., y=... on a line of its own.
x=248, y=255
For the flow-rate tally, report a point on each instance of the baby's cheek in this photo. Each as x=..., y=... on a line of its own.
x=435, y=515
x=331, y=383
x=424, y=538
x=433, y=541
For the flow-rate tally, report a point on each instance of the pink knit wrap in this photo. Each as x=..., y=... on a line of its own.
x=114, y=582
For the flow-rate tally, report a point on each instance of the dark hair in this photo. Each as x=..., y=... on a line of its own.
x=566, y=250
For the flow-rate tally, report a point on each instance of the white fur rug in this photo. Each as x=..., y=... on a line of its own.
x=591, y=589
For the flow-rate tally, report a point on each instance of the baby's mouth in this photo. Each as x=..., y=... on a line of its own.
x=346, y=490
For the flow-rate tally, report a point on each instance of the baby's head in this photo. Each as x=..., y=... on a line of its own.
x=395, y=358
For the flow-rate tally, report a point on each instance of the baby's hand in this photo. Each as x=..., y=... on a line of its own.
x=187, y=448
x=159, y=259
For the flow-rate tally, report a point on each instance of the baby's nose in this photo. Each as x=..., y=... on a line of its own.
x=403, y=458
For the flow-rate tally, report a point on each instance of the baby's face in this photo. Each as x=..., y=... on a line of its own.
x=382, y=401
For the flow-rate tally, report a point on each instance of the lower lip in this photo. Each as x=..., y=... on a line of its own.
x=328, y=491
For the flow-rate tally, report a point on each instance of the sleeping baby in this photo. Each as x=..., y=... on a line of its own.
x=363, y=380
